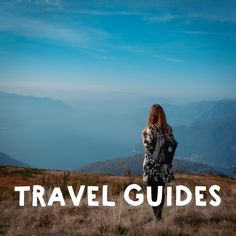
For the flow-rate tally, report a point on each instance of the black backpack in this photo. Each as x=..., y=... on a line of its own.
x=162, y=157
x=165, y=147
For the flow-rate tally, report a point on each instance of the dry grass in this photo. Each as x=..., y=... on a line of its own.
x=120, y=220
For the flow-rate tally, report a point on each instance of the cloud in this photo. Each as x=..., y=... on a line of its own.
x=50, y=2
x=46, y=3
x=196, y=32
x=92, y=40
x=103, y=57
x=190, y=16
x=40, y=24
x=205, y=10
x=82, y=36
x=167, y=58
x=215, y=17
x=161, y=18
x=97, y=12
x=207, y=33
x=148, y=53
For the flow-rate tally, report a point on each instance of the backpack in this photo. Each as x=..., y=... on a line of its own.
x=160, y=167
x=165, y=147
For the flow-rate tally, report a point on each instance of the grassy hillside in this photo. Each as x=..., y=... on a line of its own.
x=121, y=220
x=133, y=164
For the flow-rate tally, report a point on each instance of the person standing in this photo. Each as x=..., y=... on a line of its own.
x=156, y=126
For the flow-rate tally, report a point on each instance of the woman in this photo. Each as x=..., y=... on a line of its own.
x=157, y=125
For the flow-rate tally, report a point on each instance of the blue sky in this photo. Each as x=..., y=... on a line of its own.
x=178, y=48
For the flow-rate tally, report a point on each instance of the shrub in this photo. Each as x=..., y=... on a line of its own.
x=45, y=221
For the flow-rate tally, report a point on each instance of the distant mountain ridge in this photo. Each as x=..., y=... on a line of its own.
x=48, y=133
x=208, y=133
x=189, y=113
x=6, y=160
x=134, y=163
x=220, y=110
x=42, y=101
x=22, y=107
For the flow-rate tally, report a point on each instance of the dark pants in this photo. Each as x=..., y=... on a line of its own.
x=154, y=184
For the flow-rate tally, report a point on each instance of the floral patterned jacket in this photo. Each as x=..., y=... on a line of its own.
x=151, y=168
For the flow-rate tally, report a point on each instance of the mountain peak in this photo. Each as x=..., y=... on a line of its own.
x=6, y=160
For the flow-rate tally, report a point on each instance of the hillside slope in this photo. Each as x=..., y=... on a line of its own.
x=120, y=166
x=6, y=160
x=123, y=219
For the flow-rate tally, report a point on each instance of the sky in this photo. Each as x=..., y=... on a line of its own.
x=178, y=48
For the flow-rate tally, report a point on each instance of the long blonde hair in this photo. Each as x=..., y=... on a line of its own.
x=157, y=116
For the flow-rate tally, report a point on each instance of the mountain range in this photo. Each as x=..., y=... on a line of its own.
x=49, y=133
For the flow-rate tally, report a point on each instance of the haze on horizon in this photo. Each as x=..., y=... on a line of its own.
x=169, y=49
